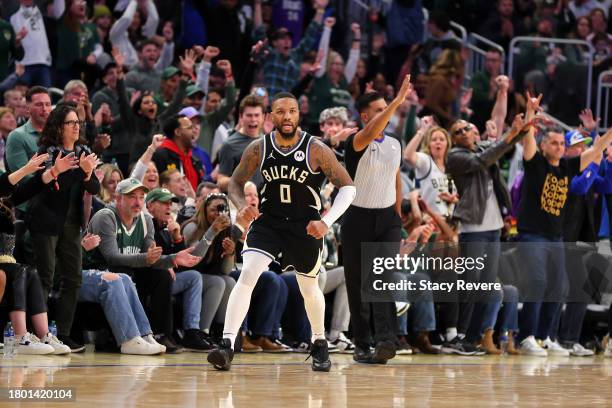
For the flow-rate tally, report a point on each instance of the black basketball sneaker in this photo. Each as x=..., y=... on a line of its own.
x=222, y=356
x=320, y=356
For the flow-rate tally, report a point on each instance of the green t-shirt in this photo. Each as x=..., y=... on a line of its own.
x=326, y=95
x=75, y=45
x=7, y=43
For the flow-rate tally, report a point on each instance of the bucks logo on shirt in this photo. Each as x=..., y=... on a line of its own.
x=291, y=189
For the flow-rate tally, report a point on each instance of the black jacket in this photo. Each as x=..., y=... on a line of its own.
x=471, y=171
x=47, y=211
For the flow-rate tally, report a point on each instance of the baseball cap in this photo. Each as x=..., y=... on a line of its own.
x=281, y=33
x=190, y=112
x=170, y=72
x=574, y=137
x=192, y=90
x=161, y=194
x=130, y=184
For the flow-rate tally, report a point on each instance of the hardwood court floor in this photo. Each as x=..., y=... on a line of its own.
x=267, y=380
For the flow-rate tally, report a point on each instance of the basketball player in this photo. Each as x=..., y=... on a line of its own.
x=293, y=165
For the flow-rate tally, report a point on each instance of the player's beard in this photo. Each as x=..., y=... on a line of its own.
x=287, y=135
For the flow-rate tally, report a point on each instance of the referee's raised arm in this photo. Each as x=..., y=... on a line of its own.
x=375, y=127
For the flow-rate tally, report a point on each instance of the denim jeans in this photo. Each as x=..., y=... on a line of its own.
x=508, y=315
x=478, y=304
x=421, y=316
x=120, y=303
x=189, y=283
x=484, y=317
x=261, y=320
x=38, y=74
x=543, y=284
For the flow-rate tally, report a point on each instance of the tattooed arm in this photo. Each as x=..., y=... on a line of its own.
x=251, y=158
x=323, y=158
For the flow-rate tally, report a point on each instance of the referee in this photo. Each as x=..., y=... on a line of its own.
x=372, y=160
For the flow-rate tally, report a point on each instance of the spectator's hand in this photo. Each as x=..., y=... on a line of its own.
x=426, y=233
x=448, y=197
x=210, y=52
x=427, y=122
x=88, y=163
x=503, y=83
x=226, y=66
x=157, y=141
x=174, y=229
x=101, y=142
x=134, y=97
x=184, y=258
x=491, y=127
x=199, y=51
x=222, y=222
x=91, y=59
x=321, y=4
x=229, y=247
x=64, y=163
x=153, y=254
x=172, y=274
x=20, y=35
x=187, y=62
x=19, y=70
x=259, y=50
x=404, y=90
x=103, y=116
x=36, y=163
x=249, y=213
x=168, y=32
x=356, y=30
x=343, y=134
x=90, y=241
x=369, y=87
x=589, y=123
x=330, y=21
x=316, y=229
x=533, y=106
x=420, y=232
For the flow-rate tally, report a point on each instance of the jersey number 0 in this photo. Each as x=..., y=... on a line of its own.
x=285, y=193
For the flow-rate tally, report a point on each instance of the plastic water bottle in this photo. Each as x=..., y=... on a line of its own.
x=9, y=341
x=53, y=328
x=503, y=343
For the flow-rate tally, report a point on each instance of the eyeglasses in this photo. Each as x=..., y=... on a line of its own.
x=462, y=130
x=73, y=123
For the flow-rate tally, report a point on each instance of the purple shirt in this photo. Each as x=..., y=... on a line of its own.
x=290, y=15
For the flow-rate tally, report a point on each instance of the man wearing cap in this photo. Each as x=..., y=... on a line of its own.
x=281, y=66
x=170, y=79
x=127, y=245
x=176, y=151
x=188, y=282
x=196, y=121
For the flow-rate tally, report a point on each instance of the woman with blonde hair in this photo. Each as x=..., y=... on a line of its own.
x=437, y=190
x=108, y=183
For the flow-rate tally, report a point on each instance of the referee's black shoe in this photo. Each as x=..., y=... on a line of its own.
x=221, y=357
x=362, y=353
x=384, y=350
x=320, y=356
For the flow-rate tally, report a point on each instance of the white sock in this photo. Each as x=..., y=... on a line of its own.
x=314, y=303
x=240, y=298
x=451, y=333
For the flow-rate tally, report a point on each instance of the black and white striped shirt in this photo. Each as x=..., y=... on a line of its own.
x=373, y=171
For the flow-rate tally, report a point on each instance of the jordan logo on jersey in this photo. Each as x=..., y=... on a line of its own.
x=283, y=172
